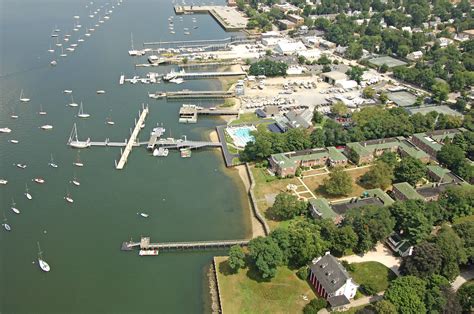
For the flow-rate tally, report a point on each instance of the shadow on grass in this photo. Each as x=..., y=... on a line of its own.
x=250, y=269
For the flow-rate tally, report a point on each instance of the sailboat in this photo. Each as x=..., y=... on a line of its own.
x=72, y=104
x=13, y=208
x=5, y=224
x=78, y=162
x=62, y=53
x=50, y=48
x=58, y=44
x=13, y=141
x=13, y=115
x=51, y=162
x=75, y=181
x=81, y=113
x=23, y=99
x=38, y=180
x=41, y=262
x=27, y=194
x=68, y=198
x=42, y=112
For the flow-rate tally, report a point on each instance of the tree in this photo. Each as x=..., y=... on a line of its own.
x=452, y=248
x=458, y=201
x=379, y=176
x=354, y=51
x=343, y=240
x=355, y=73
x=305, y=242
x=410, y=220
x=314, y=306
x=383, y=68
x=317, y=117
x=339, y=182
x=465, y=231
x=288, y=206
x=339, y=109
x=451, y=155
x=236, y=258
x=385, y=307
x=326, y=68
x=383, y=98
x=407, y=293
x=440, y=91
x=425, y=261
x=409, y=170
x=266, y=254
x=466, y=297
x=268, y=68
x=368, y=92
x=390, y=158
x=371, y=224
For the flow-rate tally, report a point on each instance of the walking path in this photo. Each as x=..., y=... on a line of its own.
x=381, y=254
x=306, y=187
x=461, y=279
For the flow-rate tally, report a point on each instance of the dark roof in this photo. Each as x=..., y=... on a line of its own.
x=341, y=208
x=260, y=113
x=274, y=128
x=329, y=272
x=338, y=300
x=434, y=190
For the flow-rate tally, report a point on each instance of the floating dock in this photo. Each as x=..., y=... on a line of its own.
x=201, y=75
x=190, y=113
x=145, y=244
x=132, y=140
x=187, y=94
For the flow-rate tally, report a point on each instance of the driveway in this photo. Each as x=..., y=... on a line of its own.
x=381, y=254
x=461, y=279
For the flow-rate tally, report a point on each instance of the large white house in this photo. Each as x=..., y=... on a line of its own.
x=331, y=281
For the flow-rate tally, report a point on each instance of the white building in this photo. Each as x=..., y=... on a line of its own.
x=310, y=54
x=331, y=281
x=444, y=42
x=415, y=55
x=289, y=48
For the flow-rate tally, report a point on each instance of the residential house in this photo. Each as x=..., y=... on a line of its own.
x=415, y=55
x=286, y=164
x=331, y=281
x=439, y=174
x=433, y=191
x=399, y=245
x=286, y=24
x=320, y=208
x=404, y=191
x=298, y=20
x=431, y=142
x=375, y=197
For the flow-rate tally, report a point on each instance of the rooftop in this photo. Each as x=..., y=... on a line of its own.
x=335, y=75
x=343, y=207
x=407, y=190
x=322, y=208
x=329, y=272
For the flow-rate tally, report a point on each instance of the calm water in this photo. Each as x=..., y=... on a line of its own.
x=187, y=199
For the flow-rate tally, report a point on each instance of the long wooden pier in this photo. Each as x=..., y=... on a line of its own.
x=187, y=94
x=132, y=140
x=145, y=244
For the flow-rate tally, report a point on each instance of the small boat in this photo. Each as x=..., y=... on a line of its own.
x=143, y=215
x=78, y=162
x=14, y=141
x=41, y=262
x=22, y=98
x=21, y=166
x=5, y=224
x=187, y=33
x=70, y=49
x=195, y=27
x=80, y=40
x=46, y=127
x=72, y=103
x=87, y=35
x=68, y=198
x=62, y=53
x=75, y=182
x=38, y=180
x=81, y=113
x=109, y=121
x=100, y=92
x=5, y=130
x=42, y=112
x=51, y=163
x=14, y=116
x=148, y=252
x=185, y=152
x=73, y=45
x=142, y=126
x=51, y=50
x=54, y=63
x=27, y=193
x=14, y=209
x=3, y=181
x=161, y=152
x=67, y=91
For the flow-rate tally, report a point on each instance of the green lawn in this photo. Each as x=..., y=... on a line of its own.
x=373, y=274
x=243, y=292
x=249, y=118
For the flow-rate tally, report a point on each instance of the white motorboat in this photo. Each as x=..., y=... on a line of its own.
x=87, y=35
x=51, y=50
x=27, y=193
x=3, y=181
x=62, y=53
x=38, y=180
x=100, y=92
x=46, y=127
x=81, y=113
x=51, y=163
x=144, y=215
x=161, y=152
x=73, y=45
x=41, y=262
x=22, y=98
x=110, y=122
x=148, y=252
x=78, y=162
x=5, y=225
x=67, y=91
x=42, y=112
x=21, y=166
x=5, y=130
x=13, y=116
x=14, y=141
x=14, y=209
x=68, y=198
x=70, y=49
x=80, y=40
x=54, y=63
x=75, y=182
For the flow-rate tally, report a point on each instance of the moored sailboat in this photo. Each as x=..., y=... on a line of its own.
x=41, y=262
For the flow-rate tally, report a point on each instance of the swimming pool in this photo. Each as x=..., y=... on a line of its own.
x=241, y=135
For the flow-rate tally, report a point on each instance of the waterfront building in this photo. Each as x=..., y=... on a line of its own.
x=286, y=164
x=331, y=281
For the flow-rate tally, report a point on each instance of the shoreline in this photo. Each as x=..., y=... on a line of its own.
x=256, y=226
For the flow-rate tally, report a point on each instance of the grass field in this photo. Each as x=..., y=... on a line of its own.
x=374, y=274
x=243, y=292
x=315, y=183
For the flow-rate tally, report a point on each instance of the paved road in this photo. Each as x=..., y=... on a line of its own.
x=465, y=276
x=381, y=254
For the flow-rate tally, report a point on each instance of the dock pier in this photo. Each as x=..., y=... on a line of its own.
x=187, y=94
x=145, y=244
x=190, y=113
x=133, y=139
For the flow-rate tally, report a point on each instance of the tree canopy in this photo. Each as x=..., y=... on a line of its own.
x=338, y=183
